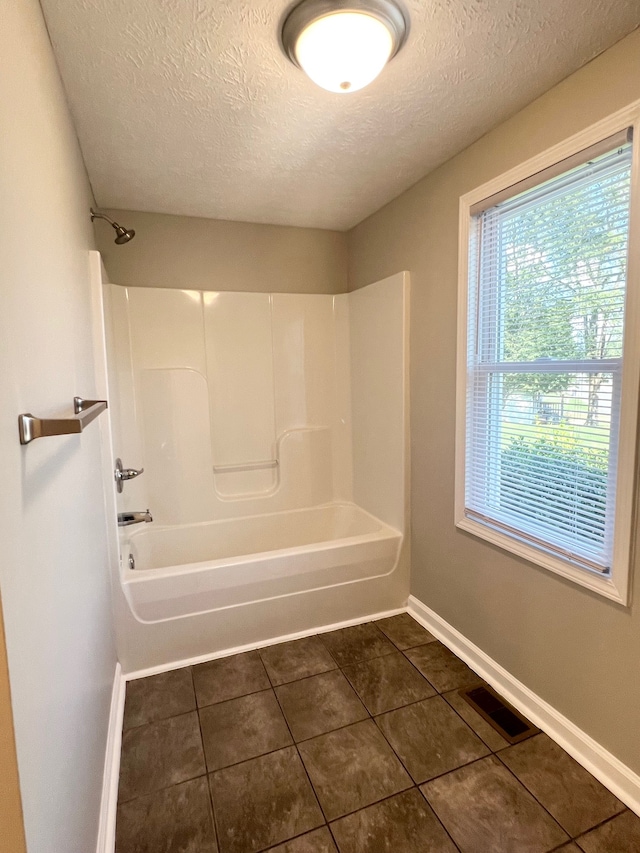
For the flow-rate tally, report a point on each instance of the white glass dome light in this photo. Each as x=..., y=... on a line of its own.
x=343, y=46
x=344, y=52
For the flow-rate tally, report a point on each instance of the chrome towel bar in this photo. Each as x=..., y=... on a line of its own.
x=86, y=411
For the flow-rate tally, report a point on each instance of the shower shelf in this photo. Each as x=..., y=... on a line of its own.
x=86, y=411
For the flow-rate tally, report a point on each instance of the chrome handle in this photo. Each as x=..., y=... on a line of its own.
x=127, y=518
x=121, y=474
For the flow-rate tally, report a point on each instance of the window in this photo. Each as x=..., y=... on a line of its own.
x=547, y=406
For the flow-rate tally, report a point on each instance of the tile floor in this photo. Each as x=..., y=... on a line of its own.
x=354, y=741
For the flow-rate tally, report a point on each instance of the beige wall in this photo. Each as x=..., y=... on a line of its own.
x=574, y=648
x=11, y=827
x=211, y=254
x=54, y=569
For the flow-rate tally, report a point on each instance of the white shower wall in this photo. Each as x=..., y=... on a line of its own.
x=234, y=403
x=323, y=386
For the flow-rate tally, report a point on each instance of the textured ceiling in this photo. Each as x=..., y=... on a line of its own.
x=189, y=106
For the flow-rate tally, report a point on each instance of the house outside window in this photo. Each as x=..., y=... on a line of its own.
x=548, y=349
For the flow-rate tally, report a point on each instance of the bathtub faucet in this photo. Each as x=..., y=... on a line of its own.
x=127, y=518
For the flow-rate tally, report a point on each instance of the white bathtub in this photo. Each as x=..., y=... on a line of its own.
x=198, y=568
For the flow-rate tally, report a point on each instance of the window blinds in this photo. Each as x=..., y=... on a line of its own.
x=546, y=317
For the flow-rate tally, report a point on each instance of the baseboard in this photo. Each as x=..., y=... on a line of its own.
x=609, y=770
x=107, y=824
x=249, y=647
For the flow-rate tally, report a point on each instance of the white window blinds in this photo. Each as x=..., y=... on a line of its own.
x=547, y=281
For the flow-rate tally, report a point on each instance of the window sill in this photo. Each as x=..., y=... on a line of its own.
x=603, y=585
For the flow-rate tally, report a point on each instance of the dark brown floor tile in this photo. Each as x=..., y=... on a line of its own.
x=158, y=696
x=297, y=659
x=318, y=841
x=228, y=678
x=160, y=754
x=402, y=824
x=242, y=728
x=358, y=642
x=576, y=800
x=175, y=820
x=620, y=835
x=352, y=768
x=484, y=808
x=480, y=726
x=404, y=632
x=263, y=802
x=568, y=848
x=319, y=704
x=387, y=682
x=430, y=738
x=441, y=667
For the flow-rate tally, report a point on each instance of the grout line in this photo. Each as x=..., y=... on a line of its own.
x=159, y=720
x=293, y=838
x=383, y=636
x=531, y=794
x=477, y=734
x=437, y=817
x=300, y=759
x=402, y=707
x=252, y=758
x=366, y=659
x=453, y=770
x=333, y=837
x=598, y=825
x=370, y=716
x=562, y=846
x=163, y=788
x=413, y=787
x=305, y=677
x=337, y=729
x=402, y=764
x=204, y=755
x=339, y=668
x=234, y=699
x=230, y=698
x=304, y=767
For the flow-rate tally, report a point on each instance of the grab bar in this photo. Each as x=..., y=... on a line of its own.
x=245, y=466
x=86, y=411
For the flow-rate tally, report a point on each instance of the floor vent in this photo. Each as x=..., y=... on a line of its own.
x=502, y=717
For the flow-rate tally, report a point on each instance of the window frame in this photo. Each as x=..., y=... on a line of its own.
x=616, y=584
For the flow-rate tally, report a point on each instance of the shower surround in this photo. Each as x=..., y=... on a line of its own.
x=273, y=433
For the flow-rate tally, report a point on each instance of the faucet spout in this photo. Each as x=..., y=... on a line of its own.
x=127, y=518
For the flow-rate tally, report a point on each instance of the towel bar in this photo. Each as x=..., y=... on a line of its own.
x=86, y=411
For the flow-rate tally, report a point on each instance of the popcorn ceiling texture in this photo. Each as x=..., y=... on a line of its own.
x=189, y=106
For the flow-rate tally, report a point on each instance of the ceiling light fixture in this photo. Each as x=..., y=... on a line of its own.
x=342, y=45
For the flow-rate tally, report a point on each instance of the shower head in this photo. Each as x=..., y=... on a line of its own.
x=123, y=235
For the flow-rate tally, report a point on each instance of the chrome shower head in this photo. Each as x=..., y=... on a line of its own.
x=123, y=235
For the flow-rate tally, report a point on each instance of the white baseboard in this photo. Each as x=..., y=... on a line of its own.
x=249, y=647
x=609, y=770
x=107, y=824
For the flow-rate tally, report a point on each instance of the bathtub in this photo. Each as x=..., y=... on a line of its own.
x=186, y=570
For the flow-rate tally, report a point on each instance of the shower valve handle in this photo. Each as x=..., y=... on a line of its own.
x=121, y=474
